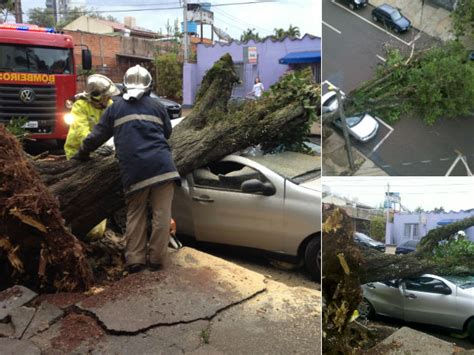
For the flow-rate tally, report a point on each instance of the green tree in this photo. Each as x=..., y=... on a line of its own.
x=41, y=17
x=6, y=7
x=249, y=34
x=293, y=32
x=463, y=19
x=439, y=210
x=279, y=33
x=419, y=209
x=432, y=84
x=377, y=228
x=169, y=74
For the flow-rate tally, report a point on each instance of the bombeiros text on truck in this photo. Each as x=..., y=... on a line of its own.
x=38, y=78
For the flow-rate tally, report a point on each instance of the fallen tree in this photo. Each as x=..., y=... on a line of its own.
x=431, y=84
x=347, y=266
x=91, y=191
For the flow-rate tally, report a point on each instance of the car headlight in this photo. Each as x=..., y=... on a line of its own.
x=69, y=119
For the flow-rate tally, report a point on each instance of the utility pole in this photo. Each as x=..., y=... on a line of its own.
x=18, y=12
x=388, y=203
x=342, y=117
x=185, y=25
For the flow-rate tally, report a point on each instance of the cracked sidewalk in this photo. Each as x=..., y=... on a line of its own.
x=200, y=304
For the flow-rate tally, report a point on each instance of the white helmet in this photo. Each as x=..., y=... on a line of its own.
x=137, y=80
x=98, y=86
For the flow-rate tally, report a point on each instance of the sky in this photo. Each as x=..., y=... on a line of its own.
x=264, y=17
x=452, y=193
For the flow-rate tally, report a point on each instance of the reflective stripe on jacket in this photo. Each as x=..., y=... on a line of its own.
x=140, y=129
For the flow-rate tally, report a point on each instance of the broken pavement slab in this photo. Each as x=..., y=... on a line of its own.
x=194, y=286
x=12, y=298
x=45, y=315
x=410, y=341
x=281, y=320
x=21, y=318
x=245, y=313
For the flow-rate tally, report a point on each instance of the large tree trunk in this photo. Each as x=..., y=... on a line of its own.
x=91, y=191
x=35, y=246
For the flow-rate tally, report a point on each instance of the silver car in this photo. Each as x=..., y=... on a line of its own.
x=269, y=202
x=446, y=301
x=362, y=127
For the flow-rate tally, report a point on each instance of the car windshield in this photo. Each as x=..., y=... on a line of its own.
x=352, y=121
x=330, y=101
x=396, y=15
x=296, y=167
x=29, y=59
x=461, y=281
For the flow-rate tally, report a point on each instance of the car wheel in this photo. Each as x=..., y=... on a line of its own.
x=366, y=310
x=374, y=18
x=351, y=6
x=396, y=29
x=312, y=258
x=470, y=330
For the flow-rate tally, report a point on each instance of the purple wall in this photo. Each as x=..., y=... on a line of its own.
x=268, y=68
x=431, y=219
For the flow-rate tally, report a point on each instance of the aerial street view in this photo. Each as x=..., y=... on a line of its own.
x=160, y=177
x=405, y=74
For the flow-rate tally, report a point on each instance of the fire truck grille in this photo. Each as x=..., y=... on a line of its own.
x=38, y=104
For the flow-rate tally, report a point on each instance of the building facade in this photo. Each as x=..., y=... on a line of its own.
x=414, y=226
x=268, y=60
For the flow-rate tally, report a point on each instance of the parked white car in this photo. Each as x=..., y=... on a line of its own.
x=446, y=301
x=268, y=202
x=362, y=127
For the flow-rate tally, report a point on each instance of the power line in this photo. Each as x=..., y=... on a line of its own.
x=235, y=19
x=164, y=8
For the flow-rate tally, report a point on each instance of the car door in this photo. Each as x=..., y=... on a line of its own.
x=425, y=301
x=386, y=298
x=222, y=213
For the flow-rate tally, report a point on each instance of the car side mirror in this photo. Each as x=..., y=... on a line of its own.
x=444, y=290
x=256, y=186
x=86, y=59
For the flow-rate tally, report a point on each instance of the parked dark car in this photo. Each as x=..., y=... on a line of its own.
x=391, y=17
x=173, y=108
x=355, y=4
x=365, y=240
x=407, y=246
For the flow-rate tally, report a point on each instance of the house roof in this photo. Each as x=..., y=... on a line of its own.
x=120, y=27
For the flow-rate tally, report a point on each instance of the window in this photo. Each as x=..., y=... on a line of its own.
x=30, y=59
x=225, y=175
x=411, y=230
x=427, y=284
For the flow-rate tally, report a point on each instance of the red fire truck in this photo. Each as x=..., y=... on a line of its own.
x=38, y=78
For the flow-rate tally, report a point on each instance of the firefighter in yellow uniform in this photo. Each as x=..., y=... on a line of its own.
x=87, y=110
x=86, y=113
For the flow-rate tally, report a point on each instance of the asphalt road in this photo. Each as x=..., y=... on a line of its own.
x=353, y=47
